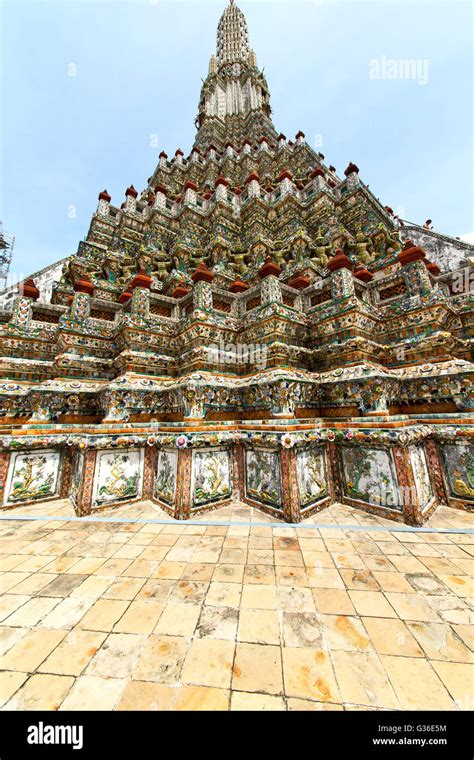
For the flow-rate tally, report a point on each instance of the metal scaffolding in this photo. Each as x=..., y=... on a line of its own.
x=6, y=252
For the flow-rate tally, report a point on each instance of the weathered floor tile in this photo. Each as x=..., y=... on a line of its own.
x=124, y=588
x=9, y=603
x=73, y=653
x=426, y=583
x=439, y=642
x=291, y=576
x=319, y=560
x=62, y=585
x=178, y=620
x=161, y=659
x=308, y=674
x=465, y=632
x=32, y=612
x=92, y=587
x=223, y=594
x=169, y=570
x=202, y=698
x=451, y=608
x=257, y=668
x=416, y=684
x=459, y=584
x=94, y=693
x=31, y=650
x=303, y=705
x=242, y=701
x=259, y=626
x=218, y=623
x=379, y=621
x=113, y=567
x=392, y=580
x=189, y=592
x=117, y=656
x=10, y=682
x=67, y=613
x=9, y=637
x=324, y=578
x=351, y=561
x=103, y=615
x=139, y=617
x=87, y=565
x=32, y=584
x=198, y=571
x=333, y=601
x=209, y=663
x=145, y=695
x=390, y=636
x=259, y=596
x=302, y=629
x=373, y=603
x=259, y=574
x=406, y=564
x=412, y=607
x=458, y=679
x=362, y=680
x=344, y=632
x=299, y=599
x=41, y=692
x=228, y=573
x=363, y=580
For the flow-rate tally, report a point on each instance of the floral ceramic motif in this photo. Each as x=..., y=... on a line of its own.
x=33, y=476
x=263, y=477
x=165, y=482
x=118, y=476
x=459, y=468
x=369, y=476
x=312, y=476
x=211, y=473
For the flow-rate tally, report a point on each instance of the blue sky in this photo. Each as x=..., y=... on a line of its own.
x=138, y=68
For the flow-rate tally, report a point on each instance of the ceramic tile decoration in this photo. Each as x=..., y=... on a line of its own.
x=118, y=476
x=252, y=324
x=263, y=480
x=312, y=476
x=459, y=469
x=211, y=476
x=165, y=480
x=32, y=477
x=421, y=475
x=77, y=474
x=369, y=475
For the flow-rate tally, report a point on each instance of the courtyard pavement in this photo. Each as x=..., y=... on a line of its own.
x=345, y=612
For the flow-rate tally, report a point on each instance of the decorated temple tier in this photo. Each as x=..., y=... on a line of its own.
x=402, y=473
x=251, y=326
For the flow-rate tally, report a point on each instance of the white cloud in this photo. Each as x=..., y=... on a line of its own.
x=468, y=238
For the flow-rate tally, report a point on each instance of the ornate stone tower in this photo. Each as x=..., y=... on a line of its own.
x=234, y=102
x=251, y=326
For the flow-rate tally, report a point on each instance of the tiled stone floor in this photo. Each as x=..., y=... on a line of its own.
x=238, y=615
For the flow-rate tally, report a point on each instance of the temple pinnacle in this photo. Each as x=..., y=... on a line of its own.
x=232, y=36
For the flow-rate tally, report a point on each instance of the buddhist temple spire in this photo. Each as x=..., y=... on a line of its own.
x=235, y=98
x=232, y=36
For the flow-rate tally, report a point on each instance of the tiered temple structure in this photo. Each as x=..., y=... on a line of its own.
x=251, y=326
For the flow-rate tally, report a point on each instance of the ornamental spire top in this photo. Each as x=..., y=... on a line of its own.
x=232, y=36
